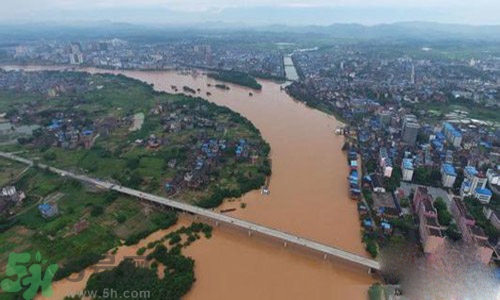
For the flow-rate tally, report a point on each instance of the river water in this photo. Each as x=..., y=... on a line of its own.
x=308, y=197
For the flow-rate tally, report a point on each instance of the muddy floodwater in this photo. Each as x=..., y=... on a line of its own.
x=308, y=197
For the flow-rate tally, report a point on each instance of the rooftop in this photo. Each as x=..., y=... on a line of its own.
x=485, y=192
x=471, y=170
x=408, y=164
x=449, y=170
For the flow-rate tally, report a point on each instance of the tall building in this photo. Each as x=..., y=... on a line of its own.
x=475, y=185
x=385, y=162
x=430, y=231
x=453, y=136
x=407, y=168
x=410, y=129
x=448, y=175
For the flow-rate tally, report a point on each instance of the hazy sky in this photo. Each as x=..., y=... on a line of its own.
x=292, y=12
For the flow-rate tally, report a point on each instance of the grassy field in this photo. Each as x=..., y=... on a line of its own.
x=9, y=171
x=111, y=218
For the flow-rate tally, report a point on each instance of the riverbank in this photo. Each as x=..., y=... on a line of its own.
x=309, y=197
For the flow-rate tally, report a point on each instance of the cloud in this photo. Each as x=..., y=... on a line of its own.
x=477, y=11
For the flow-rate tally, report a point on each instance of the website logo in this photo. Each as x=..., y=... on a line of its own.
x=28, y=276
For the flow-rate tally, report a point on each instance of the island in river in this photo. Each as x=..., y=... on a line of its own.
x=236, y=77
x=309, y=197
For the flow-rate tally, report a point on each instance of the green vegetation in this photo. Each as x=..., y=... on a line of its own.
x=268, y=76
x=370, y=240
x=453, y=233
x=110, y=102
x=427, y=176
x=236, y=77
x=405, y=224
x=394, y=181
x=375, y=292
x=444, y=215
x=178, y=275
x=475, y=110
x=476, y=210
x=56, y=237
x=367, y=194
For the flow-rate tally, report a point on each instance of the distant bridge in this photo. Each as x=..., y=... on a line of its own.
x=286, y=238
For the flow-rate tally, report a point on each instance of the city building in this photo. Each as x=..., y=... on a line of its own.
x=407, y=168
x=410, y=129
x=385, y=162
x=448, y=175
x=430, y=231
x=475, y=185
x=453, y=136
x=471, y=233
x=484, y=195
x=493, y=177
x=48, y=210
x=493, y=215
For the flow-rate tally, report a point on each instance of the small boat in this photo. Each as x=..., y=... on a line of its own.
x=265, y=191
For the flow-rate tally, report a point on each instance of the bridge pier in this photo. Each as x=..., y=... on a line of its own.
x=325, y=256
x=285, y=244
x=249, y=233
x=217, y=223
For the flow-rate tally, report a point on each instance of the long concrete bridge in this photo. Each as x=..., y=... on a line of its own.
x=218, y=218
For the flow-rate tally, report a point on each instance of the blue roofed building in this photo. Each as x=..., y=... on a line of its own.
x=475, y=185
x=48, y=210
x=453, y=135
x=407, y=168
x=448, y=175
x=483, y=195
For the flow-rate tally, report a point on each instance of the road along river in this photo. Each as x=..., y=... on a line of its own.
x=308, y=197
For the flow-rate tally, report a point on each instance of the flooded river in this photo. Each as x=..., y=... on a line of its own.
x=308, y=197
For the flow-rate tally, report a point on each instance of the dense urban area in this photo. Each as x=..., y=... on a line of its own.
x=421, y=131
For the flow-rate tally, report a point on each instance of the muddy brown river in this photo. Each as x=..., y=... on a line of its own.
x=308, y=197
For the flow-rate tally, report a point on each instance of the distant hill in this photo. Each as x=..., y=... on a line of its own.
x=403, y=30
x=406, y=30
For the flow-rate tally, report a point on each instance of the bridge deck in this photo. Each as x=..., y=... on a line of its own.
x=286, y=237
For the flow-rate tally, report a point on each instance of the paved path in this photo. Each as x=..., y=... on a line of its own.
x=217, y=217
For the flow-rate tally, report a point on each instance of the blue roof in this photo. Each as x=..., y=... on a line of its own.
x=485, y=192
x=452, y=130
x=408, y=164
x=386, y=225
x=471, y=170
x=437, y=144
x=449, y=170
